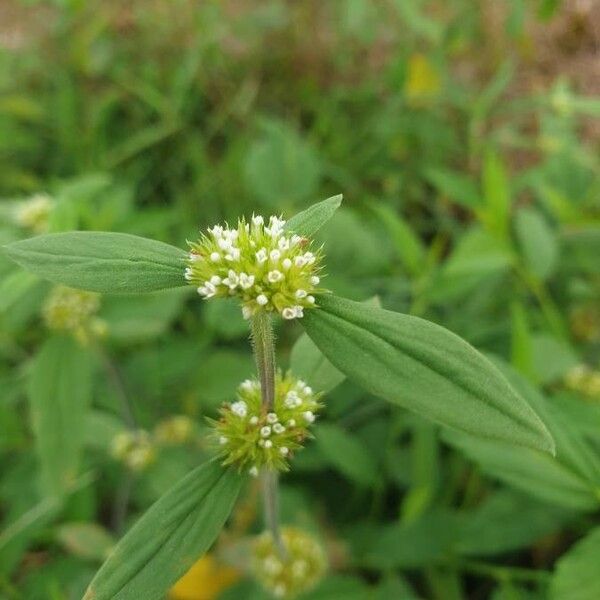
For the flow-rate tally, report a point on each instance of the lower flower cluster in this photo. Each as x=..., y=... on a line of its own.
x=300, y=569
x=252, y=437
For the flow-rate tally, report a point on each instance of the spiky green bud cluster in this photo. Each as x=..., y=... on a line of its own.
x=584, y=380
x=34, y=213
x=256, y=262
x=134, y=448
x=300, y=569
x=73, y=311
x=174, y=430
x=252, y=437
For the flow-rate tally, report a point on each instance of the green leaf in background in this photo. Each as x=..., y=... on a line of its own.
x=496, y=194
x=281, y=166
x=60, y=392
x=110, y=263
x=309, y=221
x=347, y=454
x=88, y=541
x=571, y=480
x=407, y=242
x=308, y=362
x=456, y=186
x=169, y=537
x=425, y=368
x=537, y=242
x=577, y=574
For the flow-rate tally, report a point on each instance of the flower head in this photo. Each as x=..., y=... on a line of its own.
x=252, y=437
x=178, y=429
x=34, y=213
x=73, y=311
x=297, y=572
x=134, y=449
x=259, y=263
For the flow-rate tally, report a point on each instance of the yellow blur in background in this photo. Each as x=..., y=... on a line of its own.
x=205, y=580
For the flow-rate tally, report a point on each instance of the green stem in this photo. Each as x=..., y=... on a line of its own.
x=263, y=343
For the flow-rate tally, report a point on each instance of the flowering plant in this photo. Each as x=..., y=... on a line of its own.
x=274, y=268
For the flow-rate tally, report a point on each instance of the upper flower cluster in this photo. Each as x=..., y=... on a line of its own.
x=267, y=269
x=252, y=437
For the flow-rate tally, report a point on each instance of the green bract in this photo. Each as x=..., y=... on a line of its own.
x=252, y=437
x=266, y=269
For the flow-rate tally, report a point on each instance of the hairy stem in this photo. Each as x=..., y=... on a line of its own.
x=263, y=343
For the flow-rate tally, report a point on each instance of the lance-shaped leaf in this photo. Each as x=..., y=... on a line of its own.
x=169, y=538
x=309, y=221
x=110, y=263
x=60, y=390
x=425, y=368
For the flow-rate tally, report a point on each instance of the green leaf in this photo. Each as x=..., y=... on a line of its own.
x=347, y=454
x=456, y=186
x=308, y=362
x=577, y=576
x=496, y=193
x=425, y=368
x=169, y=538
x=110, y=263
x=309, y=221
x=537, y=242
x=60, y=391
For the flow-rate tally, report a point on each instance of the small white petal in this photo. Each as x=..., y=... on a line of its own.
x=299, y=261
x=308, y=390
x=309, y=417
x=291, y=423
x=284, y=450
x=265, y=431
x=310, y=299
x=278, y=428
x=222, y=440
x=258, y=220
x=215, y=257
x=268, y=444
x=262, y=300
x=301, y=293
x=215, y=280
x=254, y=420
x=253, y=471
x=288, y=313
x=239, y=408
x=261, y=255
x=275, y=276
x=315, y=280
x=274, y=255
x=272, y=418
x=286, y=263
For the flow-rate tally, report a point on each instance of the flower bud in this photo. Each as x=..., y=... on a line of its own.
x=300, y=569
x=252, y=437
x=266, y=269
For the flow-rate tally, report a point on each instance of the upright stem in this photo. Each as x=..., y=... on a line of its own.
x=263, y=342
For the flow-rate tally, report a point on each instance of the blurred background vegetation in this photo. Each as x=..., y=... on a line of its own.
x=464, y=136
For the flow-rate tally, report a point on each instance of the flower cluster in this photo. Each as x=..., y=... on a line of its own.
x=251, y=437
x=174, y=430
x=73, y=311
x=261, y=265
x=299, y=570
x=34, y=213
x=134, y=449
x=584, y=380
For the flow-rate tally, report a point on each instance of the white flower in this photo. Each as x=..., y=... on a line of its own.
x=257, y=220
x=188, y=274
x=301, y=294
x=247, y=312
x=239, y=408
x=275, y=276
x=222, y=440
x=253, y=471
x=274, y=255
x=308, y=390
x=291, y=423
x=215, y=257
x=310, y=299
x=310, y=258
x=284, y=450
x=224, y=243
x=309, y=417
x=265, y=431
x=296, y=239
x=298, y=312
x=283, y=243
x=231, y=280
x=208, y=290
x=246, y=281
x=261, y=256
x=288, y=313
x=262, y=299
x=286, y=263
x=278, y=428
x=315, y=280
x=291, y=399
x=272, y=418
x=195, y=257
x=268, y=444
x=247, y=385
x=215, y=280
x=233, y=254
x=217, y=231
x=300, y=261
x=254, y=420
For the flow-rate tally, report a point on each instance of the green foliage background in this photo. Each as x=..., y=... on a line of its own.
x=471, y=185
